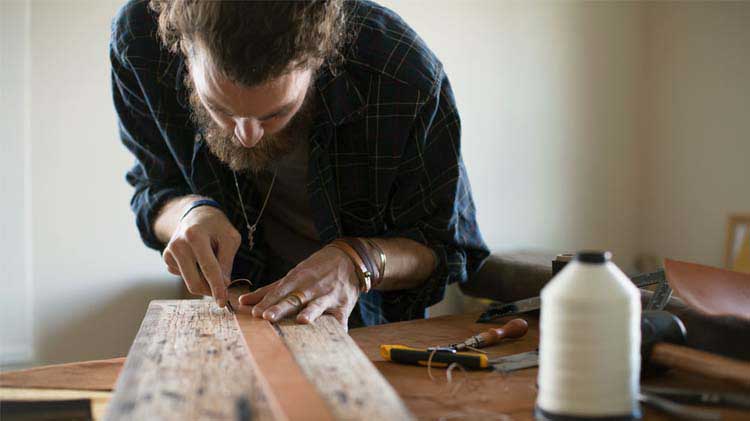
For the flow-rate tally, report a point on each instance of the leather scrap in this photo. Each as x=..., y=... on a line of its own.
x=710, y=290
x=88, y=375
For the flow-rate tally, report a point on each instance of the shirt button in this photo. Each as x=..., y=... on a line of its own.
x=197, y=137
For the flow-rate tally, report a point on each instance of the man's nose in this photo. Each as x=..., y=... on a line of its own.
x=248, y=131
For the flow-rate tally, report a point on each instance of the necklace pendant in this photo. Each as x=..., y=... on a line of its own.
x=251, y=236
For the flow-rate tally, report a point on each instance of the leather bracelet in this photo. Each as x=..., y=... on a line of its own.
x=361, y=248
x=381, y=269
x=199, y=203
x=365, y=277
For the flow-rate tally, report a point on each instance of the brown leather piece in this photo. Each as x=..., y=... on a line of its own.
x=88, y=375
x=291, y=393
x=710, y=290
x=293, y=396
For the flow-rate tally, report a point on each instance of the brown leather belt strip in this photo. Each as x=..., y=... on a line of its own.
x=293, y=396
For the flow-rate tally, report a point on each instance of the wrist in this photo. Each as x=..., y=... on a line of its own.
x=362, y=268
x=198, y=203
x=168, y=217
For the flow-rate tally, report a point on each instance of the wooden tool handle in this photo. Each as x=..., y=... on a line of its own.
x=701, y=362
x=513, y=329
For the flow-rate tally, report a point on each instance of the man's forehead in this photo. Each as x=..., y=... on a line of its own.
x=220, y=91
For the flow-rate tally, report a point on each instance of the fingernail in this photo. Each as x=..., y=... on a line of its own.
x=271, y=316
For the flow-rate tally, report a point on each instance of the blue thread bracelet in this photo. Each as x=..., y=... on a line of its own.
x=199, y=203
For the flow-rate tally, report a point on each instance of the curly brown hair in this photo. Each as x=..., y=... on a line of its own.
x=252, y=42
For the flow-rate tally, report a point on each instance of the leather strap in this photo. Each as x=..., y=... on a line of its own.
x=381, y=269
x=291, y=395
x=361, y=248
x=364, y=275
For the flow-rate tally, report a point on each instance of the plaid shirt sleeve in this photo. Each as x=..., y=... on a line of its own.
x=432, y=204
x=156, y=176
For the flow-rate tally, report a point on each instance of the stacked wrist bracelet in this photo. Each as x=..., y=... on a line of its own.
x=369, y=273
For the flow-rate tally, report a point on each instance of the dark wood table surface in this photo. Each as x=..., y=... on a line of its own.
x=469, y=395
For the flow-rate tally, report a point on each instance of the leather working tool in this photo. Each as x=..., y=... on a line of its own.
x=443, y=357
x=679, y=411
x=700, y=397
x=514, y=329
x=662, y=346
x=659, y=300
x=436, y=357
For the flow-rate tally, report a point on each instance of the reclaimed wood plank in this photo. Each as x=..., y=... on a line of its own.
x=345, y=377
x=192, y=360
x=189, y=361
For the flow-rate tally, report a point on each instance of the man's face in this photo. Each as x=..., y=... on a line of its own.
x=249, y=127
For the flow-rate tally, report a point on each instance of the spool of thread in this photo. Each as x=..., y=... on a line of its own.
x=589, y=350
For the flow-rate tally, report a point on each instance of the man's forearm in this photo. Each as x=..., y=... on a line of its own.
x=408, y=263
x=169, y=216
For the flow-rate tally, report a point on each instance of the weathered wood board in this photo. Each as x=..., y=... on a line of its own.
x=192, y=360
x=341, y=372
x=188, y=361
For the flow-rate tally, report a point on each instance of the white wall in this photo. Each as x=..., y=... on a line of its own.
x=697, y=120
x=92, y=276
x=547, y=93
x=585, y=125
x=16, y=306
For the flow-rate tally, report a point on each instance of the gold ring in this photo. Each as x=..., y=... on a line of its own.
x=296, y=299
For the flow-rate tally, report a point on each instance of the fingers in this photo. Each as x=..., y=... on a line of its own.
x=171, y=263
x=286, y=306
x=209, y=265
x=280, y=289
x=340, y=314
x=314, y=309
x=195, y=283
x=254, y=297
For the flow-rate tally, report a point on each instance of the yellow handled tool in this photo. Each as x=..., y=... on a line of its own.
x=441, y=358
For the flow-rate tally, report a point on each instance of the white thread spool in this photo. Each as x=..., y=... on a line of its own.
x=589, y=350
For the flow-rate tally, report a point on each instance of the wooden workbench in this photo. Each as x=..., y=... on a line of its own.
x=470, y=395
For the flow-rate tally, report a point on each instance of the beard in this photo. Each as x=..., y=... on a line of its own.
x=270, y=148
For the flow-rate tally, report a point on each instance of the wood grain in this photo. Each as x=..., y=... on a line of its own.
x=192, y=360
x=345, y=377
x=188, y=361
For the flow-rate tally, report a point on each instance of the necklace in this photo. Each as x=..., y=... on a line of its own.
x=251, y=228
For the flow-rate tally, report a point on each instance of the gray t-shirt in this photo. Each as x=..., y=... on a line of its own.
x=287, y=222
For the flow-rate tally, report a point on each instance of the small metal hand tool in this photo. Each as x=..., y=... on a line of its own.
x=515, y=362
x=700, y=397
x=498, y=310
x=235, y=284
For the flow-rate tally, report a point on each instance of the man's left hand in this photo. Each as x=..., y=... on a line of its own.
x=326, y=282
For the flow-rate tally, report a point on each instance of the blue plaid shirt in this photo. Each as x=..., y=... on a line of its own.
x=385, y=151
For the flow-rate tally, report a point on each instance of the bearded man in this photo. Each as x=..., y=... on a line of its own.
x=312, y=147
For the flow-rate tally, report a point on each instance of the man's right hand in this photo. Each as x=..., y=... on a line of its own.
x=201, y=248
